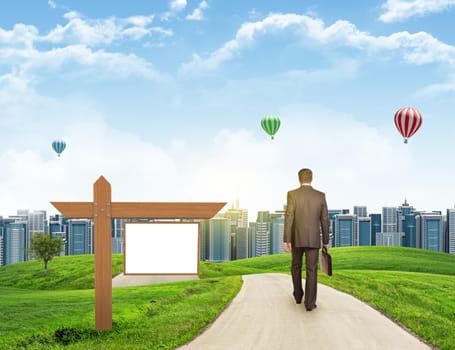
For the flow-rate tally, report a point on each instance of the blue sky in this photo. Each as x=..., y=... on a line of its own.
x=165, y=98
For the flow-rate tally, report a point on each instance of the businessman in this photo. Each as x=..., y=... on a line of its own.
x=306, y=217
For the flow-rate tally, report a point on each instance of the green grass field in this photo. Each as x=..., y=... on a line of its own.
x=56, y=311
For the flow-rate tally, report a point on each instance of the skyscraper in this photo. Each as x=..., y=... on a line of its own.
x=430, y=231
x=80, y=236
x=451, y=230
x=2, y=255
x=389, y=235
x=364, y=231
x=376, y=224
x=406, y=224
x=14, y=241
x=345, y=230
x=58, y=227
x=277, y=233
x=241, y=243
x=238, y=218
x=332, y=214
x=389, y=219
x=263, y=233
x=360, y=211
x=218, y=232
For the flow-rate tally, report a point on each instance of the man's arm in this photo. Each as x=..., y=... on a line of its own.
x=325, y=223
x=288, y=223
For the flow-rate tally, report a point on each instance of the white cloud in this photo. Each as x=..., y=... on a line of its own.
x=52, y=4
x=178, y=5
x=21, y=34
x=99, y=31
x=73, y=42
x=418, y=48
x=399, y=10
x=104, y=64
x=437, y=89
x=197, y=14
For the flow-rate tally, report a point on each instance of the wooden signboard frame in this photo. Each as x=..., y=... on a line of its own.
x=102, y=210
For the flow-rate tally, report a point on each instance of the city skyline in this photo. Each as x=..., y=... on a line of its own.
x=230, y=236
x=253, y=214
x=165, y=100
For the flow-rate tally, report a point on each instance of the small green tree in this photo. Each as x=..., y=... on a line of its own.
x=45, y=247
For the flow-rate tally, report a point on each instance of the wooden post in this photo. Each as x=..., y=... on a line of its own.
x=103, y=253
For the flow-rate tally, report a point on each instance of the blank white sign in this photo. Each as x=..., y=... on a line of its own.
x=161, y=248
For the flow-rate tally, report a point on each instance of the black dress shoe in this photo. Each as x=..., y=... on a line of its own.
x=311, y=308
x=297, y=300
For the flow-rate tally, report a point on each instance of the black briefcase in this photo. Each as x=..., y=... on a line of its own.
x=326, y=262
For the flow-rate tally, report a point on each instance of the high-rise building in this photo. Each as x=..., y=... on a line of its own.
x=58, y=227
x=263, y=233
x=430, y=231
x=376, y=224
x=80, y=236
x=241, y=243
x=389, y=235
x=14, y=241
x=2, y=246
x=345, y=230
x=406, y=224
x=332, y=214
x=409, y=230
x=238, y=218
x=389, y=219
x=361, y=211
x=450, y=231
x=218, y=231
x=117, y=235
x=277, y=233
x=364, y=231
x=252, y=230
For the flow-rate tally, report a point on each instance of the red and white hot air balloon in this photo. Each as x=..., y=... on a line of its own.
x=408, y=120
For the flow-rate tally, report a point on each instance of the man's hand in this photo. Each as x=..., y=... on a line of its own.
x=326, y=246
x=287, y=247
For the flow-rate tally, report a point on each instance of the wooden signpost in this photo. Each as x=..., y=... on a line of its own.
x=102, y=211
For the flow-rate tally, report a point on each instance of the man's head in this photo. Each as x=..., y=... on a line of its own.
x=305, y=176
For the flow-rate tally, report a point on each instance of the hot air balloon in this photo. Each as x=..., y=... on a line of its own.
x=59, y=146
x=408, y=120
x=271, y=123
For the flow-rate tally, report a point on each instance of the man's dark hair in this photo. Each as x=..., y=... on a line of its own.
x=305, y=176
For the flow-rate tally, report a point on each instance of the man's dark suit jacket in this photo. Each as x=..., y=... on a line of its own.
x=306, y=215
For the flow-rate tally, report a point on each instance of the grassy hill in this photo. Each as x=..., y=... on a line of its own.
x=55, y=311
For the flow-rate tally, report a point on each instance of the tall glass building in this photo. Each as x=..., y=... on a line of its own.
x=277, y=233
x=409, y=230
x=451, y=231
x=345, y=230
x=389, y=219
x=430, y=231
x=14, y=241
x=80, y=236
x=360, y=211
x=332, y=215
x=364, y=230
x=219, y=231
x=376, y=224
x=241, y=246
x=406, y=224
x=263, y=233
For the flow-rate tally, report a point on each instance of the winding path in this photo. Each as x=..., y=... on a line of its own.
x=265, y=316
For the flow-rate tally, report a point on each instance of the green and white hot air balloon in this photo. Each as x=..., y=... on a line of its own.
x=271, y=123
